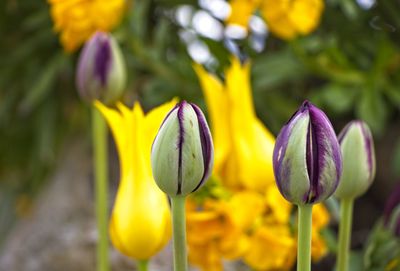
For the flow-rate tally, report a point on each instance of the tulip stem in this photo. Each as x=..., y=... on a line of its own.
x=346, y=213
x=179, y=232
x=304, y=237
x=142, y=265
x=99, y=134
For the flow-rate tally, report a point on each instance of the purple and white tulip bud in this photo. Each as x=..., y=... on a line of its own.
x=182, y=154
x=101, y=73
x=357, y=146
x=392, y=212
x=307, y=160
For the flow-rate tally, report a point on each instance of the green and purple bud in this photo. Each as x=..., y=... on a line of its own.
x=392, y=212
x=182, y=154
x=101, y=73
x=358, y=153
x=307, y=160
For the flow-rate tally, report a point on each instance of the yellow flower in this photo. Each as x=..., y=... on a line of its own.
x=285, y=18
x=320, y=219
x=272, y=248
x=77, y=20
x=290, y=18
x=220, y=229
x=241, y=11
x=243, y=146
x=140, y=224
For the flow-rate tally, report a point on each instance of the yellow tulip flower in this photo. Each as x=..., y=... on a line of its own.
x=243, y=145
x=140, y=224
x=285, y=18
x=77, y=20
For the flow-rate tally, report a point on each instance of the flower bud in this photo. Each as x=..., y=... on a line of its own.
x=101, y=73
x=307, y=160
x=182, y=154
x=358, y=155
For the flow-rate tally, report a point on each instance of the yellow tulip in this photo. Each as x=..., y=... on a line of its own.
x=77, y=20
x=243, y=145
x=140, y=224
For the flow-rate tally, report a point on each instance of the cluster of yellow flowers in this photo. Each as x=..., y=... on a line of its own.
x=244, y=216
x=285, y=18
x=77, y=20
x=247, y=215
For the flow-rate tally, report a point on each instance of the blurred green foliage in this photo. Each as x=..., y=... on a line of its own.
x=349, y=67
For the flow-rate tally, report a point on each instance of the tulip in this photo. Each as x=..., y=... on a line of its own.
x=182, y=153
x=307, y=167
x=182, y=158
x=358, y=153
x=307, y=159
x=243, y=145
x=101, y=71
x=140, y=224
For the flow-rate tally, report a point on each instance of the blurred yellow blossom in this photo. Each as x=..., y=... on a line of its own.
x=77, y=20
x=320, y=218
x=245, y=217
x=140, y=224
x=241, y=11
x=285, y=18
x=243, y=145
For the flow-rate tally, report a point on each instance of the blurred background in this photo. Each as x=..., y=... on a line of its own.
x=349, y=66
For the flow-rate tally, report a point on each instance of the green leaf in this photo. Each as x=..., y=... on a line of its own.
x=275, y=69
x=44, y=83
x=372, y=108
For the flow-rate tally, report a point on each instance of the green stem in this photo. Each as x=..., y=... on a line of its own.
x=142, y=265
x=346, y=214
x=304, y=238
x=99, y=134
x=179, y=232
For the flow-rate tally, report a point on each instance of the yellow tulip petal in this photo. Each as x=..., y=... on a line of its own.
x=218, y=112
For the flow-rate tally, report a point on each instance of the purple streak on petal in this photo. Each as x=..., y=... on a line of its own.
x=311, y=157
x=206, y=144
x=369, y=145
x=392, y=202
x=326, y=147
x=103, y=59
x=181, y=138
x=84, y=71
x=281, y=168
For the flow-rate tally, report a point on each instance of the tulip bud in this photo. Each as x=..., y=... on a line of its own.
x=182, y=154
x=101, y=73
x=307, y=160
x=358, y=155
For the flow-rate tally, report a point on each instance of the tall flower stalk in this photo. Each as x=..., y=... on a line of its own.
x=357, y=148
x=100, y=164
x=182, y=157
x=101, y=76
x=307, y=167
